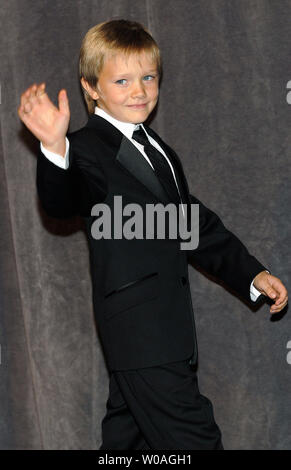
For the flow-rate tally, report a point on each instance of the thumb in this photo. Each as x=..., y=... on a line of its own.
x=271, y=293
x=63, y=102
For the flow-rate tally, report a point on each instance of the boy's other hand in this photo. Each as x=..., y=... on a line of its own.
x=272, y=287
x=48, y=123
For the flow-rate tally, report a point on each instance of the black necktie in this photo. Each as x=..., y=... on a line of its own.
x=160, y=165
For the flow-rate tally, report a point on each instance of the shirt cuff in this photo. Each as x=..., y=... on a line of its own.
x=57, y=159
x=255, y=293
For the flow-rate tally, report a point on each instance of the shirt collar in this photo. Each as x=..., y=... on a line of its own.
x=126, y=128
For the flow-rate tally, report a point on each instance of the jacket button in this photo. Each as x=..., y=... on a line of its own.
x=183, y=280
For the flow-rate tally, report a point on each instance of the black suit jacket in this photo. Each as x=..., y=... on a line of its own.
x=141, y=292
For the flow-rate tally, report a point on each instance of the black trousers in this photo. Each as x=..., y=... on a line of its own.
x=158, y=408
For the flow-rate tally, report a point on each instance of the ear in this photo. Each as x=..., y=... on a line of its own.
x=93, y=93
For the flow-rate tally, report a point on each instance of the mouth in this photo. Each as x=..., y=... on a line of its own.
x=137, y=106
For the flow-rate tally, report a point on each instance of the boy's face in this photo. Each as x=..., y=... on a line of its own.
x=128, y=87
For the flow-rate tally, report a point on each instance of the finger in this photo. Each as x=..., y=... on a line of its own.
x=276, y=311
x=25, y=103
x=33, y=90
x=280, y=301
x=27, y=107
x=278, y=308
x=282, y=294
x=28, y=91
x=24, y=112
x=26, y=97
x=20, y=112
x=34, y=97
x=271, y=293
x=40, y=90
x=280, y=304
x=63, y=102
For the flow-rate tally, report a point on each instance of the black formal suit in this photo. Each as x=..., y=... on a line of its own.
x=141, y=293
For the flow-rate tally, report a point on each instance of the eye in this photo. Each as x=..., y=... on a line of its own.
x=148, y=78
x=122, y=81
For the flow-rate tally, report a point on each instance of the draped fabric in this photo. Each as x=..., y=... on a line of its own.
x=223, y=109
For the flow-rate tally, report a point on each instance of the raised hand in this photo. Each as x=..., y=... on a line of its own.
x=48, y=123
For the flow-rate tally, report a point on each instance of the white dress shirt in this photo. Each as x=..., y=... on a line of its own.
x=127, y=129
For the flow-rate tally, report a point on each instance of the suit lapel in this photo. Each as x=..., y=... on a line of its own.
x=128, y=156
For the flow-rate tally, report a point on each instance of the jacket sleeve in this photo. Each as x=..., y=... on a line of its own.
x=58, y=189
x=221, y=254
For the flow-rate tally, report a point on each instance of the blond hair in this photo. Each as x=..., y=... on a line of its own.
x=107, y=38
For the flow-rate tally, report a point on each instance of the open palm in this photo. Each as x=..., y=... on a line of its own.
x=48, y=123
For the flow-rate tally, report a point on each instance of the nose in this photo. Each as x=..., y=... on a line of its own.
x=138, y=90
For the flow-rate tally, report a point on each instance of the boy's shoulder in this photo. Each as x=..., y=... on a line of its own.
x=96, y=130
x=81, y=134
x=85, y=140
x=95, y=141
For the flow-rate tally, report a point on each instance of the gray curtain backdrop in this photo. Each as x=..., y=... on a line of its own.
x=223, y=108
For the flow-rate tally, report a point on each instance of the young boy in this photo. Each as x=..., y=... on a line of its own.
x=141, y=291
